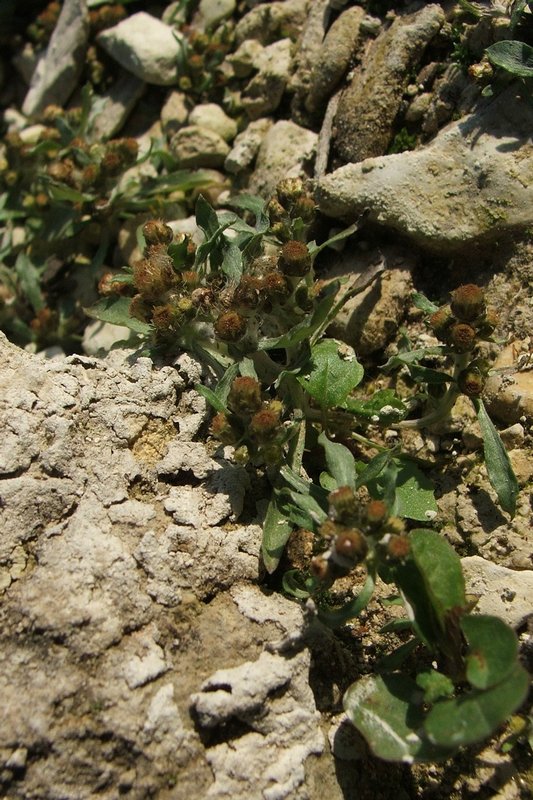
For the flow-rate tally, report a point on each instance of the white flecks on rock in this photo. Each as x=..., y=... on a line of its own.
x=504, y=592
x=56, y=74
x=264, y=91
x=144, y=46
x=245, y=58
x=285, y=151
x=214, y=118
x=474, y=181
x=145, y=666
x=267, y=21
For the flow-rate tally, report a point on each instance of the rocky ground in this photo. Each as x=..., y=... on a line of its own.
x=143, y=652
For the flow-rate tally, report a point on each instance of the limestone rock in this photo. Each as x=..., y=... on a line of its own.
x=212, y=12
x=245, y=57
x=504, y=592
x=509, y=395
x=264, y=91
x=174, y=113
x=99, y=337
x=145, y=46
x=194, y=146
x=246, y=146
x=473, y=182
x=57, y=73
x=214, y=118
x=369, y=105
x=307, y=49
x=118, y=103
x=267, y=22
x=284, y=152
x=334, y=57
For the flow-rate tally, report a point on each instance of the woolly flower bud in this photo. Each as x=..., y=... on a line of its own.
x=152, y=277
x=351, y=545
x=441, y=321
x=468, y=302
x=275, y=211
x=295, y=258
x=489, y=323
x=274, y=284
x=398, y=546
x=166, y=318
x=247, y=292
x=343, y=502
x=305, y=207
x=157, y=232
x=230, y=326
x=376, y=512
x=108, y=285
x=140, y=309
x=289, y=190
x=222, y=429
x=245, y=395
x=470, y=382
x=320, y=568
x=264, y=425
x=462, y=337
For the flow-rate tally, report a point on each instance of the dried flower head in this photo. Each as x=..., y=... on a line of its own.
x=351, y=545
x=230, y=326
x=245, y=395
x=462, y=337
x=468, y=302
x=471, y=382
x=264, y=425
x=295, y=258
x=343, y=503
x=157, y=232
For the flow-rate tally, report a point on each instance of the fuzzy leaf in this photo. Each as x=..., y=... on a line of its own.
x=117, y=311
x=421, y=301
x=276, y=531
x=336, y=616
x=373, y=469
x=304, y=330
x=387, y=711
x=492, y=649
x=232, y=262
x=499, y=469
x=339, y=460
x=383, y=406
x=440, y=567
x=470, y=717
x=415, y=498
x=435, y=685
x=211, y=397
x=30, y=281
x=334, y=372
x=513, y=56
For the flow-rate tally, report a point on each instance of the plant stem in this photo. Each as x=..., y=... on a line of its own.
x=446, y=403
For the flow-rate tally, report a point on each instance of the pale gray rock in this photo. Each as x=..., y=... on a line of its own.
x=174, y=113
x=212, y=12
x=267, y=22
x=246, y=146
x=272, y=696
x=285, y=151
x=509, y=394
x=244, y=59
x=332, y=61
x=118, y=103
x=307, y=50
x=473, y=182
x=504, y=592
x=194, y=146
x=369, y=105
x=264, y=91
x=99, y=337
x=144, y=46
x=56, y=74
x=214, y=118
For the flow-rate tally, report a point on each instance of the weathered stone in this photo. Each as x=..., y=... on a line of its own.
x=118, y=103
x=307, y=50
x=174, y=113
x=194, y=146
x=269, y=22
x=144, y=46
x=263, y=93
x=246, y=146
x=504, y=592
x=211, y=12
x=369, y=105
x=56, y=74
x=473, y=182
x=509, y=394
x=334, y=57
x=285, y=151
x=244, y=59
x=214, y=118
x=100, y=337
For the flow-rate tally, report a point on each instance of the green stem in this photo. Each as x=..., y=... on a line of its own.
x=446, y=403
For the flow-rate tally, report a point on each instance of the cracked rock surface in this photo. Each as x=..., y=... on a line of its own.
x=119, y=544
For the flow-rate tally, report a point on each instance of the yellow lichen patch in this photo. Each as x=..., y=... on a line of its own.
x=151, y=444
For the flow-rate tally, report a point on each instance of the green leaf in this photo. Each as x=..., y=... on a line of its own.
x=276, y=531
x=206, y=217
x=232, y=262
x=422, y=374
x=332, y=373
x=339, y=460
x=382, y=406
x=435, y=684
x=474, y=716
x=211, y=397
x=298, y=585
x=255, y=204
x=440, y=567
x=392, y=661
x=373, y=469
x=61, y=192
x=415, y=497
x=315, y=249
x=513, y=56
x=117, y=311
x=499, y=469
x=336, y=616
x=29, y=278
x=304, y=330
x=387, y=711
x=421, y=301
x=224, y=384
x=492, y=649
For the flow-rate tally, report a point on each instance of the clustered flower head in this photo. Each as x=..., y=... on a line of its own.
x=291, y=210
x=253, y=425
x=353, y=530
x=461, y=324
